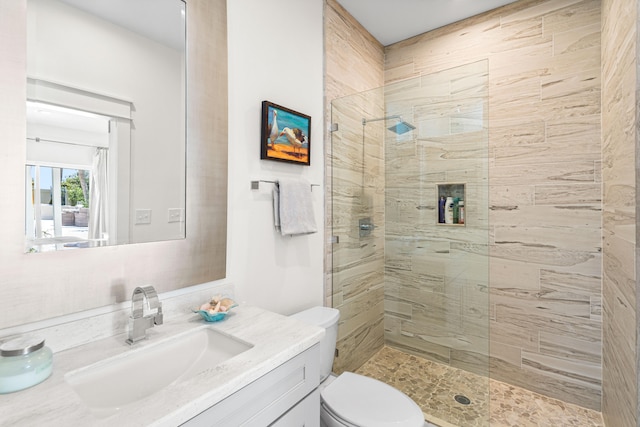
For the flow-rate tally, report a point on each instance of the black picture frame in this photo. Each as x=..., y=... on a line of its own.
x=290, y=139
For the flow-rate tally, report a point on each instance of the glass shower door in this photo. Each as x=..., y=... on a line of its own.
x=437, y=235
x=409, y=199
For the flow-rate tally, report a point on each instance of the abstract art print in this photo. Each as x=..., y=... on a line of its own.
x=285, y=135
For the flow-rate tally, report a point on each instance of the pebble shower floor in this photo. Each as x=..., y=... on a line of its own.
x=437, y=385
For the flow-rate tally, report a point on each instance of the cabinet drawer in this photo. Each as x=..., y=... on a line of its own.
x=266, y=399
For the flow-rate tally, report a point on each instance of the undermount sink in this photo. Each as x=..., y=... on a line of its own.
x=113, y=383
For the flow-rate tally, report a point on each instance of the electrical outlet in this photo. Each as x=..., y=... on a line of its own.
x=143, y=216
x=175, y=214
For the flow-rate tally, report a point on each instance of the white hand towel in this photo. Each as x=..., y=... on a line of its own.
x=276, y=206
x=293, y=207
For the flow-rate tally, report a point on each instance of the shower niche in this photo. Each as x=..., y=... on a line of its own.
x=451, y=202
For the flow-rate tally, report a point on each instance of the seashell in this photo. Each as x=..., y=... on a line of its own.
x=227, y=302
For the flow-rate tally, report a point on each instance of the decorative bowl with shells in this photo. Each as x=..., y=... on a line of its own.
x=216, y=309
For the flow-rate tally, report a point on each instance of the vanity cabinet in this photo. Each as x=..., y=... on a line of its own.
x=305, y=414
x=286, y=396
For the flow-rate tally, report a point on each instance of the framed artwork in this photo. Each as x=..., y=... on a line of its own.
x=285, y=135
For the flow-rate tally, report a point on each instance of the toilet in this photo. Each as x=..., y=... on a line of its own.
x=354, y=400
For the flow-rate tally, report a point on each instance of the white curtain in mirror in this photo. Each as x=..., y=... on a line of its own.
x=99, y=202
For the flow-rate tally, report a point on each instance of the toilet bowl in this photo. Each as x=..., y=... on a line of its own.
x=352, y=400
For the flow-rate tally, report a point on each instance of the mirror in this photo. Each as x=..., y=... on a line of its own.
x=40, y=286
x=105, y=158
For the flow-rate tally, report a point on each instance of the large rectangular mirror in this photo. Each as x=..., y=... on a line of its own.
x=62, y=282
x=105, y=136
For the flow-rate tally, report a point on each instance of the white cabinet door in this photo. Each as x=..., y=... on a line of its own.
x=305, y=414
x=265, y=400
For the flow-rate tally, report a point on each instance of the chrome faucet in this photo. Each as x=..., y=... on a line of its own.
x=138, y=322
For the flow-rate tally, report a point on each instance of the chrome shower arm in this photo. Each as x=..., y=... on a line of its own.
x=379, y=119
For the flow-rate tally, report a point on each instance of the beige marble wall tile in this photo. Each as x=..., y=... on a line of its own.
x=619, y=381
x=540, y=382
x=544, y=173
x=414, y=344
x=563, y=215
x=571, y=16
x=570, y=348
x=505, y=198
x=522, y=300
x=535, y=9
x=511, y=354
x=519, y=336
x=570, y=285
x=556, y=195
x=587, y=262
x=576, y=39
x=546, y=321
x=574, y=140
x=586, y=374
x=551, y=237
x=503, y=271
x=354, y=167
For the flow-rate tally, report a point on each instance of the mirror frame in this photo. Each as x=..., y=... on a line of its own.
x=39, y=286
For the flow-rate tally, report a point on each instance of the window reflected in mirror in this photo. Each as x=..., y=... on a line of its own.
x=58, y=209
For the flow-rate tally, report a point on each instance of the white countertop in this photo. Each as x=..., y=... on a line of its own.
x=275, y=340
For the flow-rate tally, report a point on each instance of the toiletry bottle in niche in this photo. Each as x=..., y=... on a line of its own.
x=456, y=209
x=448, y=211
x=441, y=204
x=461, y=212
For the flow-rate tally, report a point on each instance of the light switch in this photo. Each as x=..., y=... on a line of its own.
x=175, y=214
x=143, y=216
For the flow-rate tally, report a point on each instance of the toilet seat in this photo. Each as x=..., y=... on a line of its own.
x=362, y=401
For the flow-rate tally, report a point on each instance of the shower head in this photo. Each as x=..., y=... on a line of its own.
x=399, y=128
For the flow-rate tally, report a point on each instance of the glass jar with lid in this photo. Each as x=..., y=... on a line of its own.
x=24, y=362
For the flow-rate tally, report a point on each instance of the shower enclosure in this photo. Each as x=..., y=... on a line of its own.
x=409, y=215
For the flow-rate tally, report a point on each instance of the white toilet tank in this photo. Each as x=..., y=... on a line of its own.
x=327, y=318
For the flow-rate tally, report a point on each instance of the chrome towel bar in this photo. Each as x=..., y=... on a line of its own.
x=255, y=185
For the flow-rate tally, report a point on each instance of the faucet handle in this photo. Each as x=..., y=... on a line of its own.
x=159, y=317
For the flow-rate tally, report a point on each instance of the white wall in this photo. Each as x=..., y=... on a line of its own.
x=275, y=54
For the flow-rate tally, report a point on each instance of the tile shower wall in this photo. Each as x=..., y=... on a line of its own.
x=545, y=203
x=620, y=157
x=353, y=64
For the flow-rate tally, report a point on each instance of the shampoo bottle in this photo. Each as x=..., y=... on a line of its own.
x=456, y=200
x=441, y=204
x=448, y=211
